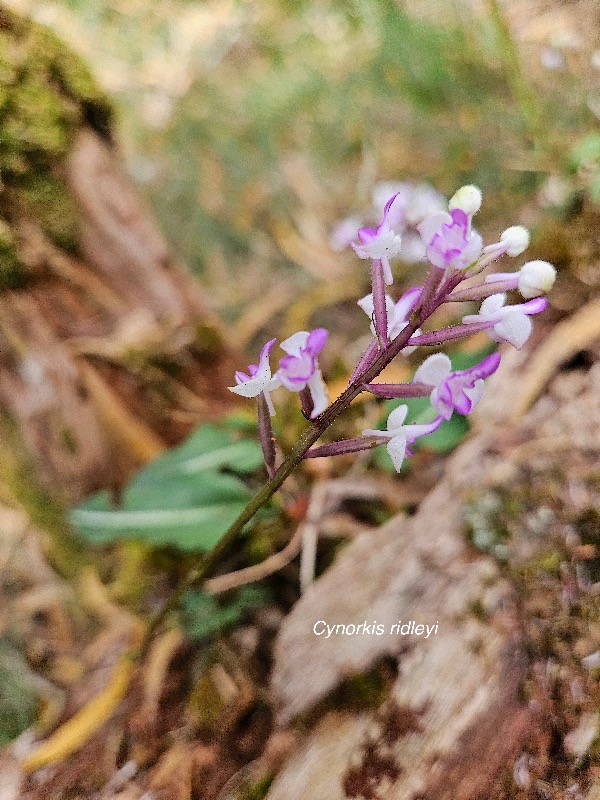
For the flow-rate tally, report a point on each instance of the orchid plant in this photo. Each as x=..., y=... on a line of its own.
x=456, y=258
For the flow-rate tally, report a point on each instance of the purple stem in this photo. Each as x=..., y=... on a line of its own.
x=431, y=284
x=391, y=391
x=343, y=447
x=448, y=334
x=366, y=360
x=481, y=291
x=379, y=309
x=265, y=434
x=306, y=401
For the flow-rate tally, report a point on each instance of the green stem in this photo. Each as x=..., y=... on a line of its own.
x=519, y=86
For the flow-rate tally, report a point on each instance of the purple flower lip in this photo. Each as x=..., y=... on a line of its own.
x=297, y=369
x=458, y=390
x=449, y=239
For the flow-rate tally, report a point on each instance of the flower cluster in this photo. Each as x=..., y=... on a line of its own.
x=456, y=255
x=298, y=370
x=413, y=203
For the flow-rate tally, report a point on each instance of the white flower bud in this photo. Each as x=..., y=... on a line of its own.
x=467, y=198
x=536, y=278
x=516, y=240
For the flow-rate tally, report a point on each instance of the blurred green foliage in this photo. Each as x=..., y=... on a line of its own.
x=181, y=499
x=203, y=615
x=254, y=127
x=18, y=703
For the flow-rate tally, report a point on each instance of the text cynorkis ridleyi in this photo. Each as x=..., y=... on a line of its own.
x=400, y=628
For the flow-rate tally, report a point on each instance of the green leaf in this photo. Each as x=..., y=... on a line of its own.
x=448, y=436
x=463, y=359
x=202, y=615
x=179, y=499
x=198, y=528
x=207, y=448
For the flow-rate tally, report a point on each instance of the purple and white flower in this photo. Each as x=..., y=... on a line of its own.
x=299, y=369
x=450, y=241
x=458, y=390
x=381, y=243
x=399, y=436
x=507, y=323
x=258, y=379
x=397, y=313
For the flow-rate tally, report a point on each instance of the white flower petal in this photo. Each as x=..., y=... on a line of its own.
x=515, y=328
x=396, y=448
x=475, y=392
x=515, y=239
x=433, y=370
x=293, y=344
x=396, y=418
x=467, y=198
x=492, y=304
x=367, y=305
x=536, y=278
x=251, y=388
x=318, y=392
x=432, y=225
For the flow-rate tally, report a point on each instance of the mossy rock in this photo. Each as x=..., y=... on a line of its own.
x=47, y=94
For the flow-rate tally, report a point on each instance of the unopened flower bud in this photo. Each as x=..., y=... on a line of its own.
x=516, y=240
x=536, y=278
x=467, y=198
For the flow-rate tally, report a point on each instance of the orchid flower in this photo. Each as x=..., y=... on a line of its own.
x=258, y=380
x=460, y=390
x=532, y=280
x=381, y=243
x=507, y=323
x=299, y=370
x=397, y=313
x=449, y=240
x=399, y=435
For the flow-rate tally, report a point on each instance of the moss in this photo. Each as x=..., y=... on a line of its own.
x=64, y=550
x=47, y=200
x=46, y=94
x=257, y=790
x=208, y=340
x=12, y=274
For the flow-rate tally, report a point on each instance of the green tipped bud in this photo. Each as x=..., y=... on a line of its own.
x=467, y=198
